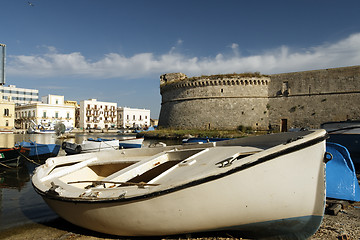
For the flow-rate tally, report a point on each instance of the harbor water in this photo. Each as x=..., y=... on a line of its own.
x=19, y=203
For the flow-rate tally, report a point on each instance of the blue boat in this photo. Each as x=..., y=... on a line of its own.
x=40, y=151
x=346, y=133
x=131, y=143
x=203, y=140
x=341, y=181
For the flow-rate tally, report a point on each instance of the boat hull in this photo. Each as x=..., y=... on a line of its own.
x=40, y=151
x=286, y=193
x=341, y=180
x=90, y=146
x=13, y=157
x=131, y=143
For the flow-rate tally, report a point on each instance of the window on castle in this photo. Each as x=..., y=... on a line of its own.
x=285, y=88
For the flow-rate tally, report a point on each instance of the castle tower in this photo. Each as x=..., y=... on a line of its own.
x=214, y=102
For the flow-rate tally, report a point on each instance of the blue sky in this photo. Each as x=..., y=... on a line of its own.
x=116, y=50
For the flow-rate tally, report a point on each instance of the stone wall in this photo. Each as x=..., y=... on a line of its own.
x=282, y=101
x=307, y=99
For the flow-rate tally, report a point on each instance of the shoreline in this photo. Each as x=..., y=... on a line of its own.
x=344, y=225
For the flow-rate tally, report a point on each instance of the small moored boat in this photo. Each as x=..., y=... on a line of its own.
x=341, y=180
x=131, y=142
x=12, y=157
x=263, y=186
x=39, y=151
x=202, y=140
x=347, y=134
x=90, y=145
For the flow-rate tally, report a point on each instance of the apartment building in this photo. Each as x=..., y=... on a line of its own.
x=133, y=117
x=7, y=113
x=19, y=95
x=51, y=110
x=97, y=115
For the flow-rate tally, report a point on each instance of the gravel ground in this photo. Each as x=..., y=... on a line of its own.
x=345, y=225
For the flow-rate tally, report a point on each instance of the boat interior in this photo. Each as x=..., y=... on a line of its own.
x=111, y=170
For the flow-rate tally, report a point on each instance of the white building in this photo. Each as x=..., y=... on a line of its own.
x=50, y=111
x=133, y=117
x=97, y=115
x=19, y=95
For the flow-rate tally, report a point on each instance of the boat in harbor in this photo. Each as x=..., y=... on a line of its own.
x=39, y=151
x=263, y=186
x=131, y=142
x=54, y=127
x=341, y=180
x=12, y=157
x=90, y=145
x=347, y=134
x=202, y=140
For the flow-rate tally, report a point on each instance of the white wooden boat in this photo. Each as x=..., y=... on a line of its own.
x=90, y=145
x=270, y=185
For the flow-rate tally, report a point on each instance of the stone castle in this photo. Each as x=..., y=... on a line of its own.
x=262, y=102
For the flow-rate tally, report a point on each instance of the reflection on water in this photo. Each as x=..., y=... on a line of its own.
x=19, y=203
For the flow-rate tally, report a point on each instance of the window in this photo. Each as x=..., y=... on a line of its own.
x=44, y=114
x=7, y=123
x=6, y=112
x=285, y=88
x=56, y=114
x=57, y=101
x=67, y=115
x=133, y=117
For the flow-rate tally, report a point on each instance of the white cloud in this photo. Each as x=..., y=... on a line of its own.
x=113, y=65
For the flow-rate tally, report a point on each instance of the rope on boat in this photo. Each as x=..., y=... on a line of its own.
x=37, y=153
x=17, y=162
x=106, y=144
x=4, y=165
x=28, y=159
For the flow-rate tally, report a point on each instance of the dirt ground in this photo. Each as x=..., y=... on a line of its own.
x=345, y=226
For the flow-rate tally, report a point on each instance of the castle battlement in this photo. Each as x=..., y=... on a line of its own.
x=179, y=80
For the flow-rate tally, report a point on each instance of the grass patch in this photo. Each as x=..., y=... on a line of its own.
x=166, y=133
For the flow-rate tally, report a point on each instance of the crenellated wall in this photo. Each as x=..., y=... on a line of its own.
x=282, y=101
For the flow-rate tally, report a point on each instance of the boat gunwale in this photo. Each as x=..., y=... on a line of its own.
x=197, y=182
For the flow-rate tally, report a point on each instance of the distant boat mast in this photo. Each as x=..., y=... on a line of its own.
x=3, y=48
